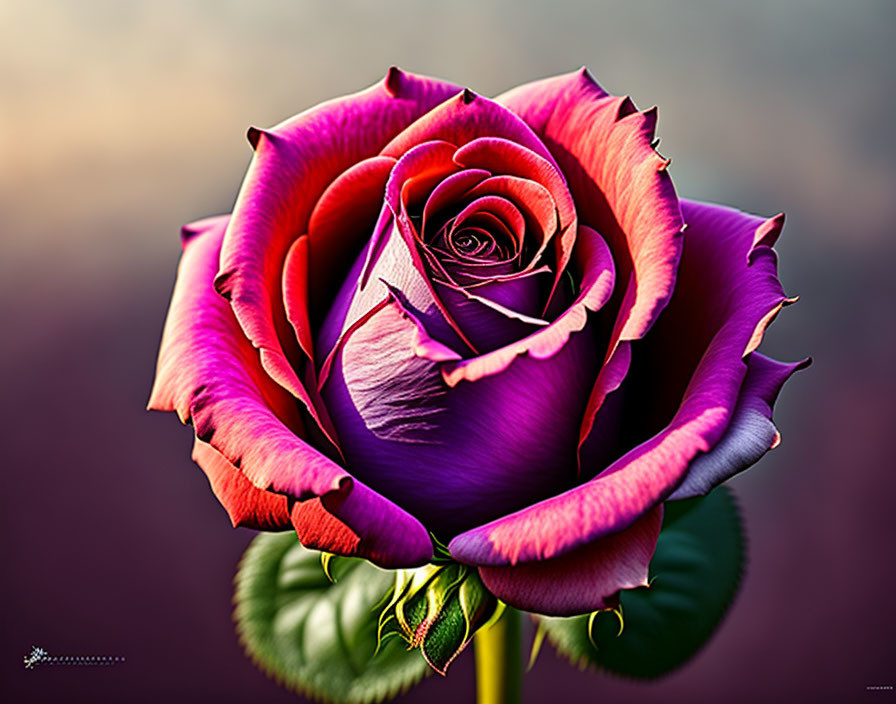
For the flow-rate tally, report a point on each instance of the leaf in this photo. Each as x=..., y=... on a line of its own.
x=696, y=571
x=316, y=636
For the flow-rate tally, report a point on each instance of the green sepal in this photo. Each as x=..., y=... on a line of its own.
x=695, y=574
x=317, y=636
x=438, y=609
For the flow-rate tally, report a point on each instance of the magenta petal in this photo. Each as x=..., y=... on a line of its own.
x=293, y=165
x=245, y=503
x=751, y=432
x=464, y=118
x=619, y=183
x=210, y=374
x=582, y=580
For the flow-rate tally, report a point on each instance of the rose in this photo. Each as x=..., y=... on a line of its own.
x=436, y=315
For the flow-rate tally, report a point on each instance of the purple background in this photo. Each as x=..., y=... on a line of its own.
x=121, y=121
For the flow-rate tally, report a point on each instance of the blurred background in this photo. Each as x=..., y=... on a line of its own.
x=119, y=121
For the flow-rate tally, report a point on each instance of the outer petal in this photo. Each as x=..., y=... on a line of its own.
x=293, y=164
x=210, y=374
x=619, y=183
x=751, y=433
x=362, y=523
x=692, y=360
x=582, y=580
x=245, y=503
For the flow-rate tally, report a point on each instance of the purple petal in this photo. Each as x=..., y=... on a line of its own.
x=454, y=457
x=361, y=523
x=751, y=433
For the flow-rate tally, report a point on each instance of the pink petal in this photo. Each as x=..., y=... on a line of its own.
x=501, y=156
x=449, y=191
x=582, y=580
x=462, y=119
x=295, y=293
x=619, y=183
x=293, y=165
x=210, y=374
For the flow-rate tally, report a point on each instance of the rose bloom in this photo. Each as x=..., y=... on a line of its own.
x=488, y=322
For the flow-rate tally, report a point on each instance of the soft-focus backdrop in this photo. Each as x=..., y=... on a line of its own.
x=119, y=121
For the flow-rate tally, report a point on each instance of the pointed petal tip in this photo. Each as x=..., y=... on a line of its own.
x=767, y=233
x=625, y=108
x=253, y=134
x=393, y=81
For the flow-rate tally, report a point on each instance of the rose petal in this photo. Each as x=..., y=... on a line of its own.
x=453, y=457
x=393, y=268
x=487, y=323
x=341, y=222
x=584, y=579
x=692, y=361
x=246, y=504
x=596, y=444
x=503, y=157
x=292, y=166
x=210, y=374
x=618, y=181
x=361, y=523
x=295, y=293
x=596, y=273
x=462, y=119
x=449, y=191
x=727, y=293
x=751, y=433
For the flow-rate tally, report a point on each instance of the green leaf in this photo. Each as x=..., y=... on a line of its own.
x=316, y=636
x=695, y=573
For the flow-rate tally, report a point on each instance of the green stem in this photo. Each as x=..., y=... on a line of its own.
x=499, y=664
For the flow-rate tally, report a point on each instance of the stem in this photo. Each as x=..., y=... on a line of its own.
x=499, y=671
